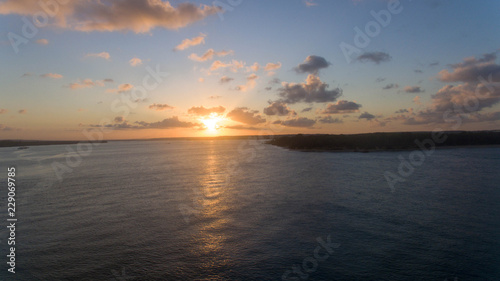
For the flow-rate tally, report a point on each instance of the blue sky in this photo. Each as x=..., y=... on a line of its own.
x=419, y=42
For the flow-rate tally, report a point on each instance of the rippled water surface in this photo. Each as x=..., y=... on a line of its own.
x=240, y=210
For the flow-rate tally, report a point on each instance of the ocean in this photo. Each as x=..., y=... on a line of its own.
x=246, y=210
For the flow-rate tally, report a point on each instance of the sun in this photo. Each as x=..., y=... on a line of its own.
x=211, y=122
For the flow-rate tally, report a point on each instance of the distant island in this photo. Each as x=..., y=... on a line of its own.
x=386, y=141
x=27, y=143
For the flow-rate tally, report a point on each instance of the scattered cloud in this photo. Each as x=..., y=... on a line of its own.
x=21, y=111
x=380, y=79
x=366, y=116
x=119, y=119
x=403, y=110
x=121, y=88
x=342, y=106
x=272, y=66
x=7, y=128
x=471, y=69
x=51, y=75
x=307, y=109
x=203, y=111
x=390, y=86
x=330, y=120
x=246, y=116
x=225, y=79
x=88, y=83
x=255, y=67
x=312, y=65
x=310, y=3
x=433, y=63
x=416, y=100
x=209, y=54
x=135, y=61
x=313, y=90
x=214, y=97
x=418, y=71
x=42, y=42
x=139, y=16
x=413, y=89
x=278, y=108
x=159, y=107
x=172, y=122
x=376, y=57
x=234, y=65
x=104, y=55
x=186, y=43
x=250, y=83
x=302, y=122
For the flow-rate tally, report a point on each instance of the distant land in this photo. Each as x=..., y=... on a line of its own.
x=387, y=141
x=23, y=143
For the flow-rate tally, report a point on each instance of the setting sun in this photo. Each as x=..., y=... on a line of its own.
x=211, y=122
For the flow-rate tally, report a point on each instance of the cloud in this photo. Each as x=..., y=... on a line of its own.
x=416, y=100
x=413, y=89
x=278, y=108
x=390, y=86
x=471, y=69
x=307, y=109
x=313, y=90
x=159, y=107
x=119, y=119
x=186, y=43
x=135, y=61
x=104, y=55
x=433, y=63
x=6, y=128
x=403, y=110
x=380, y=79
x=310, y=3
x=88, y=83
x=3, y=111
x=272, y=66
x=255, y=67
x=209, y=54
x=330, y=120
x=376, y=57
x=202, y=111
x=42, y=41
x=214, y=97
x=366, y=116
x=225, y=79
x=139, y=16
x=312, y=65
x=302, y=122
x=242, y=127
x=246, y=116
x=234, y=65
x=21, y=111
x=418, y=71
x=122, y=88
x=342, y=106
x=250, y=83
x=172, y=122
x=51, y=75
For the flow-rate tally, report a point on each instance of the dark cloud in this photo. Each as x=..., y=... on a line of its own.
x=414, y=89
x=307, y=109
x=202, y=111
x=172, y=122
x=403, y=110
x=330, y=120
x=418, y=71
x=342, y=106
x=278, y=108
x=119, y=119
x=471, y=69
x=433, y=63
x=376, y=57
x=378, y=80
x=268, y=88
x=297, y=122
x=246, y=116
x=390, y=86
x=225, y=79
x=159, y=107
x=312, y=65
x=313, y=90
x=366, y=116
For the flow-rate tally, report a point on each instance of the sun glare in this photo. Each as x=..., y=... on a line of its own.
x=211, y=122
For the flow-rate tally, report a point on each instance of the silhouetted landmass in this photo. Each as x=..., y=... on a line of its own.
x=386, y=141
x=10, y=143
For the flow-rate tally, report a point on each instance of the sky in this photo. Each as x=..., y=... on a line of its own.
x=130, y=69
